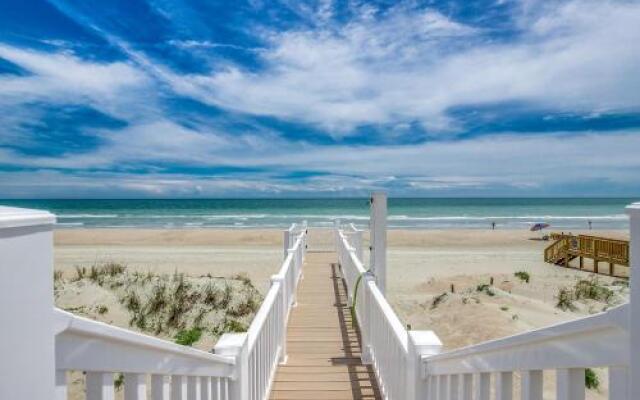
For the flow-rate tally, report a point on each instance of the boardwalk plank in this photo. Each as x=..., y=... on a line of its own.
x=323, y=346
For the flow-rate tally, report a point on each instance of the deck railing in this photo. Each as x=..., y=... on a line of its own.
x=267, y=337
x=41, y=344
x=408, y=366
x=100, y=350
x=394, y=352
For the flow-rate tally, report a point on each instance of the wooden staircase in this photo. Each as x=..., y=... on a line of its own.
x=567, y=248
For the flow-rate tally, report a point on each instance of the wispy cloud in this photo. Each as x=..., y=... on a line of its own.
x=415, y=65
x=247, y=121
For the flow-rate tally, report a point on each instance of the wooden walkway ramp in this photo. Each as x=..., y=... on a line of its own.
x=322, y=345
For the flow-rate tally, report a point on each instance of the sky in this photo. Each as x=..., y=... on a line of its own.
x=280, y=98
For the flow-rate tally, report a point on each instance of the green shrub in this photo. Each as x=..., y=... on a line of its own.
x=102, y=309
x=485, y=288
x=81, y=272
x=592, y=289
x=504, y=308
x=565, y=299
x=132, y=301
x=119, y=381
x=591, y=380
x=188, y=337
x=57, y=276
x=523, y=276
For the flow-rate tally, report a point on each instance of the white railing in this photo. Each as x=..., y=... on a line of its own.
x=40, y=344
x=409, y=365
x=100, y=350
x=386, y=344
x=266, y=338
x=596, y=341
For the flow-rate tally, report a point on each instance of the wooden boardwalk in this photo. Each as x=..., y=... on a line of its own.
x=322, y=345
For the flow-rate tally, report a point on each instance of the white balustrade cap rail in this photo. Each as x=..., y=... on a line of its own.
x=11, y=217
x=598, y=340
x=87, y=345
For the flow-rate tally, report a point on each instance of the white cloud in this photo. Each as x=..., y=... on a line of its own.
x=63, y=78
x=530, y=164
x=414, y=65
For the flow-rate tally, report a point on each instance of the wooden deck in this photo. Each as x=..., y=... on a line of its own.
x=322, y=345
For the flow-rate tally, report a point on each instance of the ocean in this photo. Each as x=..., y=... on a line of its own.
x=423, y=213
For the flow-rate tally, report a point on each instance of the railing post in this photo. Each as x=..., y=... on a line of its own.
x=286, y=241
x=365, y=316
x=296, y=274
x=419, y=344
x=26, y=294
x=378, y=227
x=634, y=313
x=357, y=242
x=236, y=345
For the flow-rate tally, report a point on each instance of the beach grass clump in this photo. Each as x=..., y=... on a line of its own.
x=565, y=299
x=187, y=337
x=437, y=300
x=523, y=276
x=486, y=289
x=102, y=309
x=243, y=308
x=591, y=380
x=58, y=276
x=228, y=325
x=591, y=289
x=81, y=272
x=174, y=306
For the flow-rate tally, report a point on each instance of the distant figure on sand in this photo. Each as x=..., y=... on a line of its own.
x=589, y=225
x=493, y=225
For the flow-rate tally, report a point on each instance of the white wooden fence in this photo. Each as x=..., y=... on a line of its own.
x=409, y=365
x=40, y=344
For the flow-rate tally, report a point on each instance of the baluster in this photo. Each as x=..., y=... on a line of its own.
x=433, y=387
x=205, y=388
x=466, y=386
x=193, y=387
x=454, y=387
x=531, y=385
x=224, y=389
x=570, y=384
x=178, y=387
x=443, y=387
x=61, y=385
x=483, y=386
x=504, y=386
x=215, y=388
x=160, y=388
x=619, y=383
x=135, y=387
x=100, y=386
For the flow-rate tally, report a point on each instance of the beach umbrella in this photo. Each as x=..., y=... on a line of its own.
x=539, y=226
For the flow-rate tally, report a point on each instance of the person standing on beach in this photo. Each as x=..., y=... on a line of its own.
x=589, y=224
x=493, y=225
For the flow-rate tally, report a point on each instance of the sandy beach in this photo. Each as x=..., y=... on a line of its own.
x=421, y=265
x=424, y=266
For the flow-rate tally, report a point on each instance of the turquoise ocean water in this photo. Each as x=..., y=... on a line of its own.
x=431, y=213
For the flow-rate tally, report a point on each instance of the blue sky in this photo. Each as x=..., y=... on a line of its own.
x=202, y=98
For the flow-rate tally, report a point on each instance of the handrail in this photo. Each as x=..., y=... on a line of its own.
x=597, y=340
x=384, y=337
x=266, y=336
x=103, y=344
